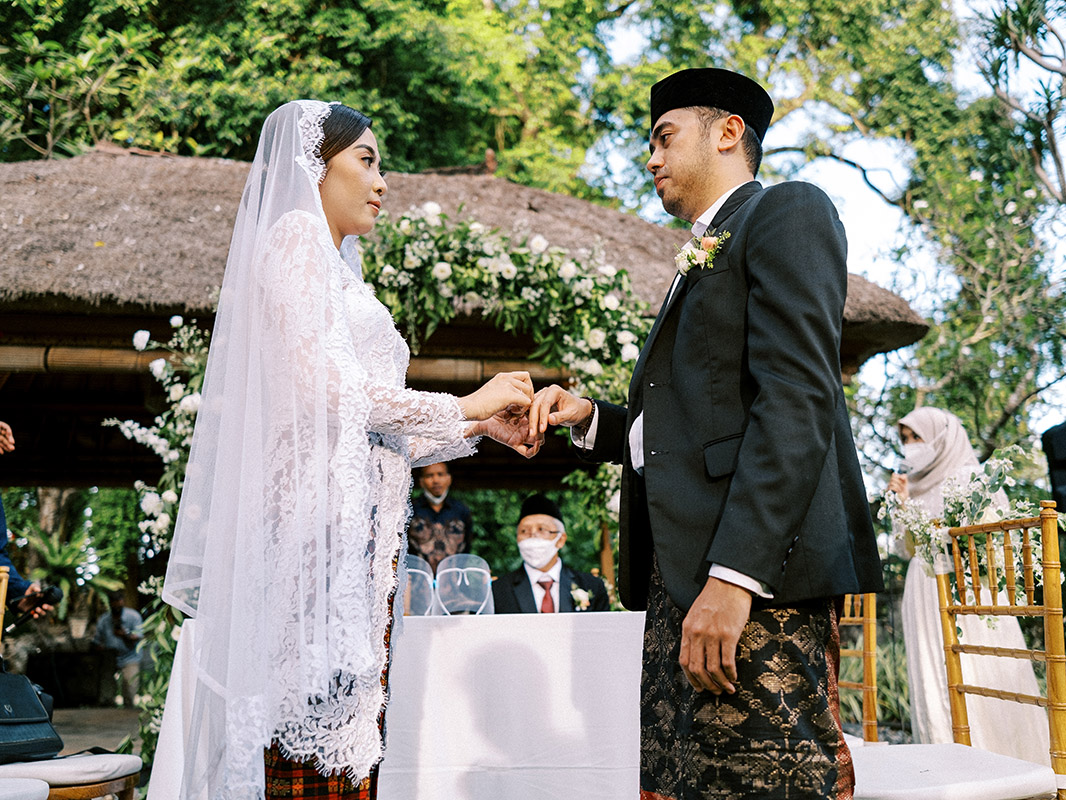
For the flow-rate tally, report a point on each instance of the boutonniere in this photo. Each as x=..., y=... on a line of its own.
x=700, y=252
x=582, y=599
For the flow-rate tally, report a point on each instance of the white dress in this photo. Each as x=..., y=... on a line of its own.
x=998, y=726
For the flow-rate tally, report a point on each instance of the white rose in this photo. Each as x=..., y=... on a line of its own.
x=508, y=270
x=442, y=271
x=626, y=337
x=920, y=205
x=170, y=496
x=610, y=302
x=477, y=227
x=176, y=321
x=630, y=352
x=1011, y=207
x=405, y=226
x=433, y=221
x=568, y=270
x=151, y=504
x=163, y=522
x=608, y=270
x=538, y=244
x=177, y=391
x=1029, y=194
x=388, y=271
x=432, y=209
x=140, y=340
x=158, y=368
x=593, y=367
x=172, y=456
x=596, y=338
x=190, y=404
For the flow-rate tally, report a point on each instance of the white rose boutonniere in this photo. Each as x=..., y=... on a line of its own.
x=582, y=598
x=700, y=252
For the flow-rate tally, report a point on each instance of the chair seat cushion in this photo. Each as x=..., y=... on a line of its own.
x=23, y=789
x=73, y=770
x=946, y=772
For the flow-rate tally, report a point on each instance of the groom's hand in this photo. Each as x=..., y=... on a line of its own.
x=710, y=633
x=511, y=427
x=554, y=405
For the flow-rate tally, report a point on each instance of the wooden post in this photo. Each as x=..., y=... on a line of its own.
x=960, y=722
x=1054, y=644
x=607, y=560
x=869, y=667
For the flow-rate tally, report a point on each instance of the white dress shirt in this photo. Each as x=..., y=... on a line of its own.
x=538, y=590
x=636, y=431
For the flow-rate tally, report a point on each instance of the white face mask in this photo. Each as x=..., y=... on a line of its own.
x=538, y=552
x=918, y=456
x=433, y=499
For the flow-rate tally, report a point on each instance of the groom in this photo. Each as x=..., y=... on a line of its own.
x=744, y=515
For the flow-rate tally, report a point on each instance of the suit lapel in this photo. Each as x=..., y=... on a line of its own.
x=566, y=600
x=523, y=592
x=677, y=288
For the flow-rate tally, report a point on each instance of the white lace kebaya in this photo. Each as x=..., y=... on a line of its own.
x=295, y=502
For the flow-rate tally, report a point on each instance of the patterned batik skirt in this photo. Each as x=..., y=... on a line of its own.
x=777, y=737
x=287, y=779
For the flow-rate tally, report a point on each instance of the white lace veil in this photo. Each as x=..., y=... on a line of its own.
x=257, y=557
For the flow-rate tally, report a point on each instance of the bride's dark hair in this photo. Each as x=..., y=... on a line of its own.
x=342, y=127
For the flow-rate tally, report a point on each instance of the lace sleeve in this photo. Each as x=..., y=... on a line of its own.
x=409, y=412
x=430, y=451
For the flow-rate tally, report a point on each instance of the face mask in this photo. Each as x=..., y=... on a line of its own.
x=433, y=499
x=538, y=552
x=918, y=456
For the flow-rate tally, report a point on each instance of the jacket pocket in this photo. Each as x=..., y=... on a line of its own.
x=720, y=457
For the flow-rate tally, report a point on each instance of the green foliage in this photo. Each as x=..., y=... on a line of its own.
x=893, y=697
x=73, y=564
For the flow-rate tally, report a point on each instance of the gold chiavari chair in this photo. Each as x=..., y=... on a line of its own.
x=949, y=771
x=860, y=611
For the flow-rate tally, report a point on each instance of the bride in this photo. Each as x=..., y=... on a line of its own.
x=288, y=537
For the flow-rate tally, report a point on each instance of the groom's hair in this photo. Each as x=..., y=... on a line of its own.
x=749, y=142
x=342, y=127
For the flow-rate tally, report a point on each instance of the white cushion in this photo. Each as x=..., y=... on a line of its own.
x=23, y=789
x=946, y=772
x=74, y=770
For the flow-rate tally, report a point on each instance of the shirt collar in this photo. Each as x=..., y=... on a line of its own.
x=703, y=222
x=553, y=573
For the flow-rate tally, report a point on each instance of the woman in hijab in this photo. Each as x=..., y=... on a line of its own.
x=936, y=448
x=292, y=516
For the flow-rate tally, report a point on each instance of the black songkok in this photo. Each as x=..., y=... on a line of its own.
x=539, y=504
x=714, y=88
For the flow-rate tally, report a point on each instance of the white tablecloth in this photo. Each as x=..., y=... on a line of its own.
x=508, y=707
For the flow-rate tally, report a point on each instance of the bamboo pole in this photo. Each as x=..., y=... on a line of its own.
x=5, y=576
x=869, y=667
x=1054, y=640
x=960, y=722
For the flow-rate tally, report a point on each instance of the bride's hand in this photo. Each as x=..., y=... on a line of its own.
x=507, y=389
x=510, y=427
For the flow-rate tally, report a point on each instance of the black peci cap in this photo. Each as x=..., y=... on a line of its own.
x=539, y=504
x=714, y=88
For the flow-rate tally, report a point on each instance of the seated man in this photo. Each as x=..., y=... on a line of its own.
x=544, y=584
x=440, y=525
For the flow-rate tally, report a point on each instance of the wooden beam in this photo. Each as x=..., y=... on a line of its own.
x=29, y=358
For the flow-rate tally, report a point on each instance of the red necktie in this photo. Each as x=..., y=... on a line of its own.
x=547, y=606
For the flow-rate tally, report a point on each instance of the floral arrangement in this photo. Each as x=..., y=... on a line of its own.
x=699, y=252
x=181, y=374
x=428, y=271
x=966, y=502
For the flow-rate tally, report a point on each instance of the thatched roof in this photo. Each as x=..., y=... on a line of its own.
x=139, y=234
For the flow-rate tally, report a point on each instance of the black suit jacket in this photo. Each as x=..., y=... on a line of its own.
x=749, y=457
x=513, y=594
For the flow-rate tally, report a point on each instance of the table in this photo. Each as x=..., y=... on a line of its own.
x=515, y=706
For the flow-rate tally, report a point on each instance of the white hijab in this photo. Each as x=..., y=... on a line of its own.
x=274, y=545
x=953, y=455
